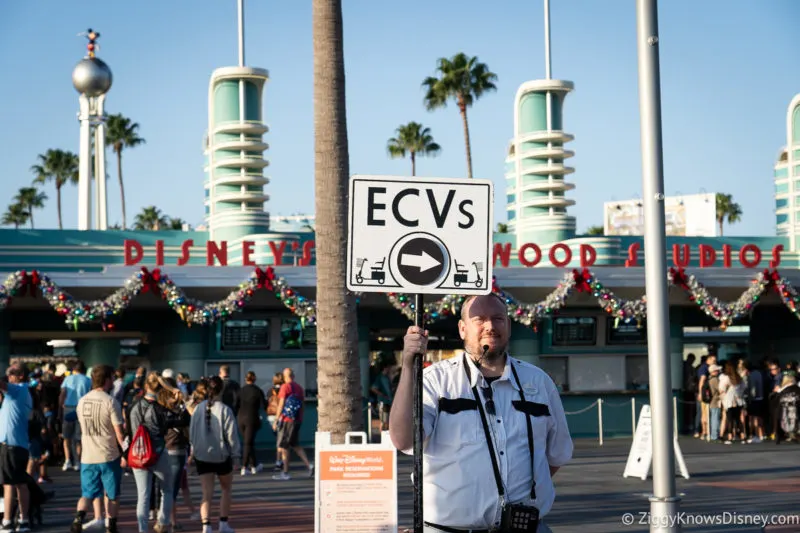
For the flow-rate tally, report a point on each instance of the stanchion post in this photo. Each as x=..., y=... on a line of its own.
x=600, y=419
x=419, y=430
x=633, y=417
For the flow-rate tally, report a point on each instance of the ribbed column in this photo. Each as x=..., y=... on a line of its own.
x=235, y=149
x=535, y=169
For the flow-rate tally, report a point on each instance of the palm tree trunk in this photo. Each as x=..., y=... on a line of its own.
x=413, y=164
x=463, y=108
x=339, y=377
x=720, y=227
x=121, y=186
x=58, y=207
x=30, y=214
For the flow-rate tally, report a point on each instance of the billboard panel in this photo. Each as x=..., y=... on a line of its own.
x=692, y=215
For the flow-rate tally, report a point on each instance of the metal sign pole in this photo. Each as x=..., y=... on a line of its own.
x=419, y=429
x=664, y=502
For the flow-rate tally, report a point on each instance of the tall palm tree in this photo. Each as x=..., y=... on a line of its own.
x=175, y=223
x=595, y=230
x=502, y=228
x=339, y=377
x=465, y=80
x=30, y=198
x=16, y=215
x=121, y=134
x=150, y=219
x=413, y=138
x=60, y=167
x=727, y=208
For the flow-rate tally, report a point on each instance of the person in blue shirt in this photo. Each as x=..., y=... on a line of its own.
x=14, y=414
x=73, y=389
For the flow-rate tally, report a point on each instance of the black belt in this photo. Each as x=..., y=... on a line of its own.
x=455, y=530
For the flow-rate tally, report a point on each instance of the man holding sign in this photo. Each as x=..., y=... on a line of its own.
x=487, y=418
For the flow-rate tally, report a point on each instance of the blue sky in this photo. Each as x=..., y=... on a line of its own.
x=729, y=70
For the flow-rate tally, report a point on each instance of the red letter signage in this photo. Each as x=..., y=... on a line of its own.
x=708, y=256
x=521, y=254
x=588, y=255
x=681, y=260
x=307, y=247
x=776, y=256
x=633, y=255
x=130, y=246
x=184, y=258
x=503, y=251
x=247, y=251
x=219, y=252
x=277, y=252
x=159, y=253
x=567, y=255
x=747, y=263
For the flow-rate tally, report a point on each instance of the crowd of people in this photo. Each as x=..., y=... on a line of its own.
x=158, y=427
x=736, y=401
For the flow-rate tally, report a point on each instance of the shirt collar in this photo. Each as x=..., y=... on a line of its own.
x=474, y=372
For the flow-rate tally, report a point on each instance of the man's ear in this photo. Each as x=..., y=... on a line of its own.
x=462, y=329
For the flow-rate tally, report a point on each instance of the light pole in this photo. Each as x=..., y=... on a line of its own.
x=664, y=501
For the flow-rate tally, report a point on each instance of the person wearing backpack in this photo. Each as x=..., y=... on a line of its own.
x=288, y=423
x=150, y=422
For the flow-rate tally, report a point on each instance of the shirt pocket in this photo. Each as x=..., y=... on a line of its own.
x=539, y=414
x=458, y=422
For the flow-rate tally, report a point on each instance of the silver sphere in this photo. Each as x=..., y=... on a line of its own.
x=91, y=77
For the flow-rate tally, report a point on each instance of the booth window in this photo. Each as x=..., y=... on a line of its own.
x=246, y=335
x=294, y=336
x=630, y=333
x=637, y=372
x=574, y=331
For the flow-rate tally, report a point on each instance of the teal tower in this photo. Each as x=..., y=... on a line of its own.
x=536, y=172
x=787, y=179
x=235, y=151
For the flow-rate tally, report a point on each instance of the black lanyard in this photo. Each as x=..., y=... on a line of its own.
x=489, y=441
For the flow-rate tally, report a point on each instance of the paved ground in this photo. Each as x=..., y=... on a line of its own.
x=593, y=496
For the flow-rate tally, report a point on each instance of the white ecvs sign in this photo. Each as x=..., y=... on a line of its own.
x=420, y=235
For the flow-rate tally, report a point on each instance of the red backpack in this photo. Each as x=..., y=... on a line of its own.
x=140, y=453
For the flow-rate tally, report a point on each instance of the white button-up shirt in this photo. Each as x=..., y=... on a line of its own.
x=459, y=488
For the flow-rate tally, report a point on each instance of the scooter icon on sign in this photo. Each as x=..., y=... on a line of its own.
x=376, y=272
x=462, y=274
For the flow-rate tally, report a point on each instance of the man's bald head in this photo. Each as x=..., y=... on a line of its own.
x=469, y=299
x=484, y=326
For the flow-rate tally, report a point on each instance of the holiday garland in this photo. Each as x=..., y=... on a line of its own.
x=724, y=313
x=193, y=311
x=621, y=309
